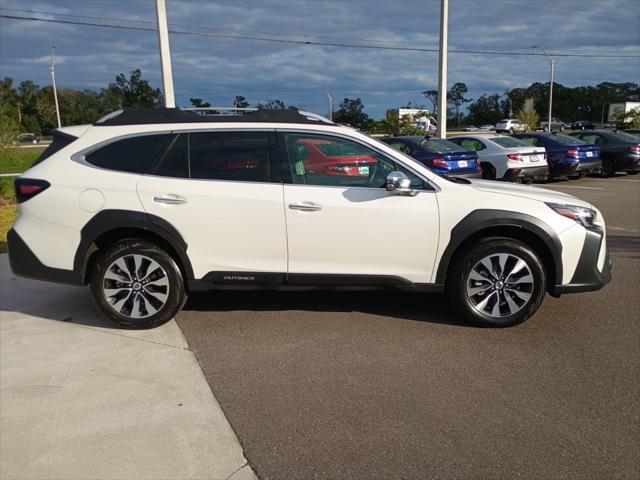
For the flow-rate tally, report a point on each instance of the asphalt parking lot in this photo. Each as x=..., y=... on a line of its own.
x=392, y=385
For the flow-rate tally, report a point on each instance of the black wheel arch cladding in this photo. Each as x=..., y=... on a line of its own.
x=112, y=220
x=492, y=220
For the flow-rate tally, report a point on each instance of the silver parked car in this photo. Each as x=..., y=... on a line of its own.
x=509, y=125
x=506, y=158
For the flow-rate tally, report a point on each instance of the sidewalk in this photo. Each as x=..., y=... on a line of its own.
x=82, y=400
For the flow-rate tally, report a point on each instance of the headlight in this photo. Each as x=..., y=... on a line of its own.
x=584, y=216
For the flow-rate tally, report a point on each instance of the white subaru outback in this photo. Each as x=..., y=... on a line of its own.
x=149, y=205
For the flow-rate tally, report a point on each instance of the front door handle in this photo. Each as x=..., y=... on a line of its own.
x=170, y=199
x=305, y=206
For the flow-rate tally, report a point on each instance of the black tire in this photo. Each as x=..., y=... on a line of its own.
x=135, y=312
x=488, y=171
x=458, y=283
x=633, y=172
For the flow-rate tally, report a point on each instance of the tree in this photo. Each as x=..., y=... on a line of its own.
x=272, y=104
x=134, y=91
x=457, y=97
x=240, y=102
x=630, y=119
x=351, y=112
x=485, y=110
x=432, y=96
x=199, y=103
x=527, y=115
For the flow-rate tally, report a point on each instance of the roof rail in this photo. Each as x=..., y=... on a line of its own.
x=218, y=110
x=138, y=116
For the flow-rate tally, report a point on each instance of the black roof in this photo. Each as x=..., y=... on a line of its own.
x=137, y=116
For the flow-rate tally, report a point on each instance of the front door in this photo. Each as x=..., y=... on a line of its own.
x=222, y=192
x=343, y=223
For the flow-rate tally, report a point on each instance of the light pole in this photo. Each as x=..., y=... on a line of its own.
x=53, y=84
x=330, y=105
x=165, y=55
x=602, y=116
x=552, y=62
x=442, y=78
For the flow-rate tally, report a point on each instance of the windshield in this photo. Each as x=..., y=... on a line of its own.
x=438, y=145
x=508, y=142
x=567, y=140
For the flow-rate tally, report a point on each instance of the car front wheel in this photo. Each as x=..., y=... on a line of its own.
x=137, y=285
x=499, y=282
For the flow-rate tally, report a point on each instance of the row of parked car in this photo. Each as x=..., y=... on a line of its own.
x=525, y=157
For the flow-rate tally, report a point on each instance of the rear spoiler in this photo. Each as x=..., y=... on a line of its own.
x=73, y=131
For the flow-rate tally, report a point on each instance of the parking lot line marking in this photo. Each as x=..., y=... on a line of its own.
x=572, y=186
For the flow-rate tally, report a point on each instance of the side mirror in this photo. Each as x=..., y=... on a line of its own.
x=400, y=184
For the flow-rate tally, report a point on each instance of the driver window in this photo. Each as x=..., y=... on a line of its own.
x=337, y=162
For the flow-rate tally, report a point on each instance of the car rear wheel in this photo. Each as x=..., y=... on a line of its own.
x=488, y=171
x=500, y=282
x=137, y=285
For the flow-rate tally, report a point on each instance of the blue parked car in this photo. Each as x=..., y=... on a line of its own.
x=439, y=155
x=565, y=155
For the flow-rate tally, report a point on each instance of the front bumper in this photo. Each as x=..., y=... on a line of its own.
x=587, y=277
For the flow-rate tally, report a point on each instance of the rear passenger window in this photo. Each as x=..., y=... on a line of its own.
x=175, y=163
x=533, y=141
x=134, y=155
x=236, y=156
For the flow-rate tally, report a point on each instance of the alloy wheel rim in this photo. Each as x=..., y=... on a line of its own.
x=136, y=286
x=500, y=285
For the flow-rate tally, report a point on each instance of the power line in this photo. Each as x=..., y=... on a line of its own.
x=309, y=42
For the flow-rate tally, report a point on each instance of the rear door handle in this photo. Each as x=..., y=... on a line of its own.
x=305, y=206
x=170, y=199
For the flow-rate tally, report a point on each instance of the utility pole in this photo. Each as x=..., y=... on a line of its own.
x=552, y=63
x=165, y=55
x=442, y=78
x=330, y=105
x=53, y=84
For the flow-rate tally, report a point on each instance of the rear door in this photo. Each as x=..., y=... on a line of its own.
x=222, y=191
x=347, y=228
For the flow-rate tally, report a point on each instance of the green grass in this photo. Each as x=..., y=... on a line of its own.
x=7, y=217
x=17, y=160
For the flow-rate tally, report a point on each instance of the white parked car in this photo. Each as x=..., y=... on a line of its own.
x=509, y=125
x=506, y=158
x=149, y=205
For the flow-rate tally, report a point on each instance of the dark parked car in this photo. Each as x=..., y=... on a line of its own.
x=565, y=155
x=620, y=151
x=28, y=138
x=439, y=155
x=582, y=125
x=633, y=131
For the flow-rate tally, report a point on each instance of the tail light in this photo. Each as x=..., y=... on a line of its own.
x=514, y=156
x=440, y=162
x=573, y=153
x=634, y=148
x=27, y=188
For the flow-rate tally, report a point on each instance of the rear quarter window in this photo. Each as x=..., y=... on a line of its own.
x=132, y=155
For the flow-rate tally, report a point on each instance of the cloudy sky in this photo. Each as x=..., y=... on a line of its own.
x=215, y=64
